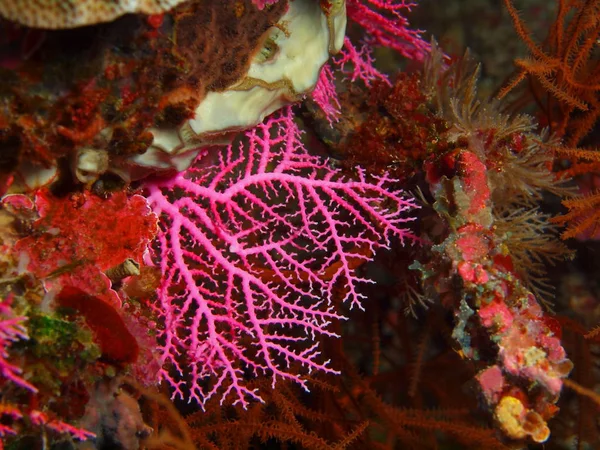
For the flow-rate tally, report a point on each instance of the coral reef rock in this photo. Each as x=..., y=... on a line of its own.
x=57, y=14
x=286, y=67
x=154, y=90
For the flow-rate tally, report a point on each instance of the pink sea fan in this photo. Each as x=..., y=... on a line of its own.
x=252, y=248
x=355, y=64
x=58, y=426
x=12, y=329
x=358, y=64
x=260, y=4
x=386, y=26
x=325, y=95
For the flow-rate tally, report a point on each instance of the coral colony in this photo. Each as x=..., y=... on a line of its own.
x=223, y=225
x=267, y=206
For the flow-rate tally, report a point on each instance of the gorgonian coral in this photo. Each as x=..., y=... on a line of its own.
x=253, y=248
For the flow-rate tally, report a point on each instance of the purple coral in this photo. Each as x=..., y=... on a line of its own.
x=254, y=248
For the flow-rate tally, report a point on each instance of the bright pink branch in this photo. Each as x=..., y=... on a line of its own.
x=253, y=249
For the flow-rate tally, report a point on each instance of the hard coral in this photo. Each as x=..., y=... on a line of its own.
x=54, y=14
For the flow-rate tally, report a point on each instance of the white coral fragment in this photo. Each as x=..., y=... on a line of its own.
x=57, y=14
x=286, y=68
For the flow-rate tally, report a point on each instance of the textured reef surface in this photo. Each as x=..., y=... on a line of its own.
x=299, y=224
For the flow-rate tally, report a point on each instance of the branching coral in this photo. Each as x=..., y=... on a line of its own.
x=565, y=67
x=265, y=246
x=12, y=330
x=282, y=231
x=387, y=26
x=564, y=77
